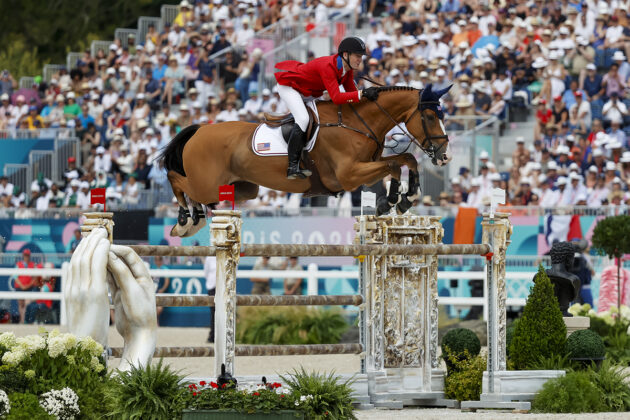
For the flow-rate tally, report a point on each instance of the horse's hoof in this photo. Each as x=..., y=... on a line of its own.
x=196, y=227
x=182, y=230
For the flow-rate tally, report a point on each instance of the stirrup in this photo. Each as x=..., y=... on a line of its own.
x=296, y=173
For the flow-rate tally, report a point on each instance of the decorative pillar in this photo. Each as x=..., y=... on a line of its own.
x=496, y=232
x=401, y=312
x=98, y=219
x=226, y=236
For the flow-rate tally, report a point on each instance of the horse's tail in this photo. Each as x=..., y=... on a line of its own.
x=171, y=157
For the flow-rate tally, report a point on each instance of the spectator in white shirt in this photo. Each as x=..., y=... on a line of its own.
x=575, y=189
x=131, y=194
x=83, y=197
x=583, y=111
x=228, y=114
x=245, y=34
x=267, y=101
x=6, y=188
x=102, y=161
x=176, y=36
x=504, y=85
x=598, y=193
x=474, y=196
x=253, y=104
x=614, y=109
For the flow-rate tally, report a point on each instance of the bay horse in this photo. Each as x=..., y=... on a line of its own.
x=347, y=154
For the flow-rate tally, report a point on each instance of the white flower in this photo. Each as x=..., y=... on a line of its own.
x=96, y=365
x=63, y=404
x=5, y=405
x=297, y=403
x=31, y=343
x=302, y=398
x=29, y=373
x=7, y=340
x=88, y=343
x=14, y=357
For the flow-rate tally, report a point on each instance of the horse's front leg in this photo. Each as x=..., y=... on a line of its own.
x=413, y=192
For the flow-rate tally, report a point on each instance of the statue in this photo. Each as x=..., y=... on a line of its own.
x=566, y=284
x=95, y=265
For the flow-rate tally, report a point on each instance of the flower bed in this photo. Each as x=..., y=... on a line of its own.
x=60, y=376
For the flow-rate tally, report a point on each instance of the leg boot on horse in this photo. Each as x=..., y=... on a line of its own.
x=297, y=141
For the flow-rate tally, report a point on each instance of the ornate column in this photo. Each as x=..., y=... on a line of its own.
x=496, y=233
x=226, y=236
x=401, y=309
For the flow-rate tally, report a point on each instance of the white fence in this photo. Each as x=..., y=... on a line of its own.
x=312, y=276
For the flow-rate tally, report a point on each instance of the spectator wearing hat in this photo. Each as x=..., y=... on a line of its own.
x=131, y=190
x=174, y=81
x=72, y=195
x=34, y=120
x=141, y=111
x=83, y=196
x=616, y=134
x=102, y=161
x=72, y=171
x=55, y=116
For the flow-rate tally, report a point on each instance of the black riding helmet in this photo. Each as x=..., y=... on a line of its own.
x=353, y=45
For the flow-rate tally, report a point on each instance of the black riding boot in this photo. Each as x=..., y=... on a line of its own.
x=297, y=141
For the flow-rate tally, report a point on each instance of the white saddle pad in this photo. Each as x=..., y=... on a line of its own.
x=268, y=141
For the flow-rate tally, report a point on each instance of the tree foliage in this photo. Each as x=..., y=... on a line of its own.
x=612, y=236
x=541, y=331
x=41, y=32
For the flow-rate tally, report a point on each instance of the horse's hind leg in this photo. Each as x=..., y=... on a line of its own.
x=184, y=221
x=198, y=217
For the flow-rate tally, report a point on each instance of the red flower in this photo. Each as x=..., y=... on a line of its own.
x=202, y=383
x=192, y=386
x=195, y=394
x=223, y=386
x=256, y=393
x=276, y=385
x=281, y=395
x=214, y=385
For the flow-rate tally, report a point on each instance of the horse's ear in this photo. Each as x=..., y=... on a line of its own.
x=441, y=92
x=427, y=93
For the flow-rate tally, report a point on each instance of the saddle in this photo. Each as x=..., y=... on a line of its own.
x=286, y=121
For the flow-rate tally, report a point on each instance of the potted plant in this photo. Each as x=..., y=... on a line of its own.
x=612, y=237
x=586, y=347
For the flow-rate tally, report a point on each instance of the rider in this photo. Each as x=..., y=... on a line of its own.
x=300, y=82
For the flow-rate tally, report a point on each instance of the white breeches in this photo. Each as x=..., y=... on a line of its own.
x=293, y=99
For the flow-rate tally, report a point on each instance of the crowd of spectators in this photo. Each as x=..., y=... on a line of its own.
x=567, y=60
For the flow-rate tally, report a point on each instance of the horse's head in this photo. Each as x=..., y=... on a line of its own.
x=434, y=139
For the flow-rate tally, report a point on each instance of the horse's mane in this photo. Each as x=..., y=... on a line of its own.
x=393, y=88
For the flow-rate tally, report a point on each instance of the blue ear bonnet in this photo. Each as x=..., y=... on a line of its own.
x=430, y=99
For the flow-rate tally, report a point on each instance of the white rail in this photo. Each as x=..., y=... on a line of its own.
x=312, y=276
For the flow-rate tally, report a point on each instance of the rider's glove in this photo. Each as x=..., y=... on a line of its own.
x=371, y=93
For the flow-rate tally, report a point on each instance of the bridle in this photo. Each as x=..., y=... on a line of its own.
x=430, y=150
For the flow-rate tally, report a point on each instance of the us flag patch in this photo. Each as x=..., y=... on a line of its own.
x=263, y=147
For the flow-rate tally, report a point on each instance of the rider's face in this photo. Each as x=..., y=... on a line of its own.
x=355, y=60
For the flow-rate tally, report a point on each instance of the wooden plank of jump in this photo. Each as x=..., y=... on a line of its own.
x=261, y=300
x=253, y=350
x=296, y=250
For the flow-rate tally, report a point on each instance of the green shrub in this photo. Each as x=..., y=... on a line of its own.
x=585, y=344
x=464, y=382
x=541, y=331
x=205, y=396
x=509, y=335
x=26, y=406
x=618, y=348
x=13, y=379
x=553, y=362
x=289, y=325
x=613, y=384
x=147, y=393
x=331, y=398
x=572, y=393
x=461, y=340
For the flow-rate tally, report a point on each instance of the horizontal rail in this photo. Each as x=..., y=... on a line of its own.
x=259, y=300
x=253, y=350
x=274, y=250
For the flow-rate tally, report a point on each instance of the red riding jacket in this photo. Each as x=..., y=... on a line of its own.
x=312, y=78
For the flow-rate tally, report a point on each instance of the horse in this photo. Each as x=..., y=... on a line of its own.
x=346, y=155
